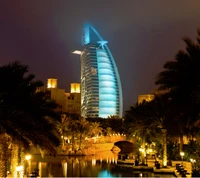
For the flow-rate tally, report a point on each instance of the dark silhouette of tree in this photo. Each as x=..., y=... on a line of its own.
x=138, y=124
x=26, y=116
x=181, y=81
x=151, y=119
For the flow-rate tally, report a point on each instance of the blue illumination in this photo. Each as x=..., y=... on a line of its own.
x=105, y=173
x=101, y=90
x=102, y=43
x=86, y=35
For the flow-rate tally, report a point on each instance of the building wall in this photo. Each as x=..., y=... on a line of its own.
x=68, y=102
x=59, y=96
x=73, y=103
x=101, y=93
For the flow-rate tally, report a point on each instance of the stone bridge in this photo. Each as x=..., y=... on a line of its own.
x=121, y=141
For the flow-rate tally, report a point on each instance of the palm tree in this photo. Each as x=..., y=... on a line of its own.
x=152, y=115
x=181, y=79
x=25, y=115
x=63, y=126
x=82, y=130
x=158, y=111
x=95, y=129
x=138, y=124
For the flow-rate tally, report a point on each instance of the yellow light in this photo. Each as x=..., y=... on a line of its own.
x=75, y=87
x=52, y=83
x=141, y=149
x=164, y=163
x=93, y=161
x=28, y=157
x=19, y=168
x=182, y=153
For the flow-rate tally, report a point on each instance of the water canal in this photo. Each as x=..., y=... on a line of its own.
x=103, y=164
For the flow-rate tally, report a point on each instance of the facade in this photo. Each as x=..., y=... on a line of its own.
x=56, y=93
x=73, y=104
x=101, y=92
x=68, y=102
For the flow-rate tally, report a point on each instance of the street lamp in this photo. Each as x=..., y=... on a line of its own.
x=142, y=150
x=182, y=154
x=193, y=161
x=28, y=158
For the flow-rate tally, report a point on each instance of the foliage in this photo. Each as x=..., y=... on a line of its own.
x=26, y=116
x=181, y=81
x=115, y=125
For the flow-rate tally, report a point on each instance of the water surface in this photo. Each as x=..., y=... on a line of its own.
x=104, y=164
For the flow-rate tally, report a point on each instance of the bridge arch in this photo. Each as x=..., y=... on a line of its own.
x=126, y=147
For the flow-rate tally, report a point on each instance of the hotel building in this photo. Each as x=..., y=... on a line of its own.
x=101, y=91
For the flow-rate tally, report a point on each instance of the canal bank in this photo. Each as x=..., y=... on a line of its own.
x=172, y=170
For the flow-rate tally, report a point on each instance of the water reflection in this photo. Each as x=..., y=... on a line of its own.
x=105, y=173
x=103, y=164
x=71, y=166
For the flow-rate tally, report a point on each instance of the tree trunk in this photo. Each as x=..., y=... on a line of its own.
x=22, y=163
x=80, y=142
x=73, y=141
x=14, y=160
x=164, y=135
x=181, y=139
x=63, y=138
x=3, y=155
x=143, y=151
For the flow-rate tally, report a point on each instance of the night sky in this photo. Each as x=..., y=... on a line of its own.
x=142, y=35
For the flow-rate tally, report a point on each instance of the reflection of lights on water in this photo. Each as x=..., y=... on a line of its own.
x=93, y=161
x=105, y=173
x=65, y=169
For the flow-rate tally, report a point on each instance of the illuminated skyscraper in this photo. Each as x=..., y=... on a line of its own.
x=101, y=92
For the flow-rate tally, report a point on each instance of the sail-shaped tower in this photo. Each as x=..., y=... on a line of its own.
x=101, y=91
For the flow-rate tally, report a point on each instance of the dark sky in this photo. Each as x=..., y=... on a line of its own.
x=141, y=34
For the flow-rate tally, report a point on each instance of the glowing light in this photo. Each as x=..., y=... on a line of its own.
x=102, y=43
x=164, y=163
x=182, y=154
x=52, y=83
x=75, y=87
x=105, y=173
x=28, y=157
x=141, y=149
x=93, y=161
x=101, y=73
x=77, y=52
x=19, y=168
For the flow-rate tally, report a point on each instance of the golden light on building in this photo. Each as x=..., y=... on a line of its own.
x=52, y=83
x=146, y=97
x=75, y=88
